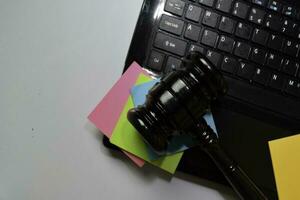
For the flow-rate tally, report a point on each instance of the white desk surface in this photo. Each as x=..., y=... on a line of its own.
x=58, y=58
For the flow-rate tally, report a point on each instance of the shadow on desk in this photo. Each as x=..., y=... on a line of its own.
x=150, y=173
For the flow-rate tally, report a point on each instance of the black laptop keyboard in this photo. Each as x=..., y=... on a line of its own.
x=255, y=41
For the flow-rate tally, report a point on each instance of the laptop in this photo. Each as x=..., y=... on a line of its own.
x=256, y=45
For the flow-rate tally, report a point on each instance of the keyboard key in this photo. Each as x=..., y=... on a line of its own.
x=226, y=44
x=240, y=10
x=171, y=25
x=229, y=64
x=274, y=5
x=295, y=30
x=290, y=67
x=293, y=87
x=275, y=42
x=291, y=48
x=194, y=47
x=227, y=25
x=170, y=44
x=156, y=61
x=210, y=19
x=289, y=28
x=276, y=81
x=192, y=32
x=260, y=2
x=175, y=7
x=260, y=36
x=289, y=11
x=172, y=64
x=273, y=22
x=224, y=5
x=258, y=55
x=243, y=31
x=209, y=38
x=193, y=13
x=261, y=76
x=245, y=70
x=274, y=61
x=256, y=16
x=242, y=50
x=207, y=2
x=214, y=57
x=286, y=25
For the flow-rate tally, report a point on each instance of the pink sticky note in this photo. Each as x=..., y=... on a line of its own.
x=138, y=161
x=107, y=112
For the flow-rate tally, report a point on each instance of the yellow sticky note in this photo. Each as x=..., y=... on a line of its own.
x=127, y=138
x=285, y=155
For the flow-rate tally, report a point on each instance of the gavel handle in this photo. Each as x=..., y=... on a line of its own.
x=238, y=179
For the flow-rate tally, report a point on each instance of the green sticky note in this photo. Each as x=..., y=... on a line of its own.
x=127, y=138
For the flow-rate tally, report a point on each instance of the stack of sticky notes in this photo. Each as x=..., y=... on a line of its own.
x=110, y=117
x=285, y=155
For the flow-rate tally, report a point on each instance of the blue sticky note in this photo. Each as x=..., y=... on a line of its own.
x=178, y=143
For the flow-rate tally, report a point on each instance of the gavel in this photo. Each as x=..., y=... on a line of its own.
x=176, y=105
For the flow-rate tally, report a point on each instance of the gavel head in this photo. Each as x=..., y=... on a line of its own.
x=178, y=101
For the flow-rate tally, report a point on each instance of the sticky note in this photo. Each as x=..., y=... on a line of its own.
x=139, y=91
x=107, y=112
x=178, y=143
x=126, y=137
x=285, y=155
